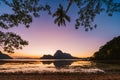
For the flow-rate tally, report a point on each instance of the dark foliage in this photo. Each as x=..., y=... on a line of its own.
x=110, y=51
x=10, y=41
x=61, y=16
x=25, y=10
x=87, y=11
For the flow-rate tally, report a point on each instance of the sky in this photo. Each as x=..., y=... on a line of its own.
x=45, y=37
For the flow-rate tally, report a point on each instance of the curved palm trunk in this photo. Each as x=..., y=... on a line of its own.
x=70, y=3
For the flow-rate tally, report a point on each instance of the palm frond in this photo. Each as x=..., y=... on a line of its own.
x=61, y=16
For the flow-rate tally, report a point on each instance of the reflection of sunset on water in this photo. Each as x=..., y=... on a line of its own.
x=45, y=65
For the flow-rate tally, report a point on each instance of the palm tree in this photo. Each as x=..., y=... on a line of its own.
x=61, y=16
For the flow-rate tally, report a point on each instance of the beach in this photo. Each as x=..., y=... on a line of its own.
x=60, y=76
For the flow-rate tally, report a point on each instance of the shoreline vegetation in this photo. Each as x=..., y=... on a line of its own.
x=109, y=51
x=59, y=76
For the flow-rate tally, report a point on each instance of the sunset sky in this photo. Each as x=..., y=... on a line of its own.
x=45, y=37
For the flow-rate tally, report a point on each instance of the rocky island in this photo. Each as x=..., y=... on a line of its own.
x=58, y=55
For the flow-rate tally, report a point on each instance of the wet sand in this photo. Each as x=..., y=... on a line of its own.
x=60, y=76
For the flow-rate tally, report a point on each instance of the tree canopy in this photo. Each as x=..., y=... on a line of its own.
x=110, y=51
x=25, y=10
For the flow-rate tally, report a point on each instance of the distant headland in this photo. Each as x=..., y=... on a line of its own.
x=109, y=51
x=59, y=55
x=4, y=56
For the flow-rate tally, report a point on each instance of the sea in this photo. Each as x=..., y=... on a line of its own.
x=57, y=65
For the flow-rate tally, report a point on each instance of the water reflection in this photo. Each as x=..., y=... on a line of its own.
x=47, y=62
x=58, y=64
x=2, y=62
x=38, y=65
x=108, y=66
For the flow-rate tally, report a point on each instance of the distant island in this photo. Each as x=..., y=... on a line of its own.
x=4, y=56
x=59, y=55
x=110, y=51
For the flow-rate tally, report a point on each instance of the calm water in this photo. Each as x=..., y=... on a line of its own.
x=53, y=65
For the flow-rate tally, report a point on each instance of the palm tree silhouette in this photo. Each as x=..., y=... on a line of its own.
x=61, y=16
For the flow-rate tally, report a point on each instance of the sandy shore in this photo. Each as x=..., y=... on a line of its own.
x=60, y=76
